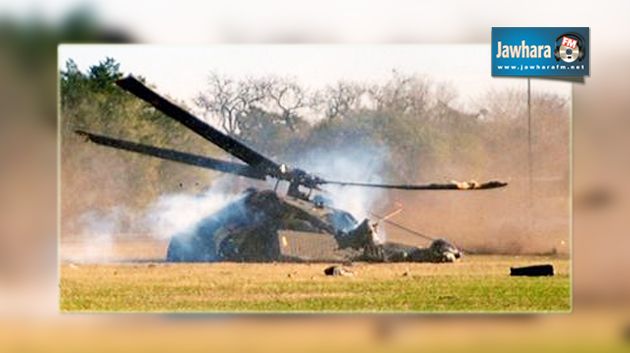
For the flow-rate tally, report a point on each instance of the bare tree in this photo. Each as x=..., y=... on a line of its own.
x=230, y=100
x=504, y=105
x=289, y=98
x=338, y=100
x=402, y=93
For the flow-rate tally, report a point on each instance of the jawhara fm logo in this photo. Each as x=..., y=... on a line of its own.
x=540, y=51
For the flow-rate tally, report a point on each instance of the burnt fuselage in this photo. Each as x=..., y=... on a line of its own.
x=262, y=227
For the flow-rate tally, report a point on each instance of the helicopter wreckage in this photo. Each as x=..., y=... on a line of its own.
x=264, y=226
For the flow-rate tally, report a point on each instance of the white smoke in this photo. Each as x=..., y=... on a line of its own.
x=365, y=163
x=177, y=213
x=169, y=215
x=96, y=241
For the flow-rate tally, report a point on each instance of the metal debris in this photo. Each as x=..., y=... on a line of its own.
x=533, y=271
x=338, y=271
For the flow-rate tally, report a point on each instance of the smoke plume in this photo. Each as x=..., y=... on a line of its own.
x=365, y=163
x=171, y=214
x=176, y=213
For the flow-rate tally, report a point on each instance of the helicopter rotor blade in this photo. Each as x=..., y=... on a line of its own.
x=205, y=130
x=176, y=156
x=433, y=186
x=260, y=164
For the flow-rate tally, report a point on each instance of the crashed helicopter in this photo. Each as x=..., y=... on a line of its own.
x=263, y=225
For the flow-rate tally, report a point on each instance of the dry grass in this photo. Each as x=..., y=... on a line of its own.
x=478, y=283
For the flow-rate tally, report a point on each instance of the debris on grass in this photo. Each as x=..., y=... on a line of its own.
x=338, y=271
x=534, y=271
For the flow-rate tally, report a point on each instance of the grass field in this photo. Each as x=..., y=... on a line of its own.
x=478, y=284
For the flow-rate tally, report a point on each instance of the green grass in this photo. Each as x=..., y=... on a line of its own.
x=478, y=284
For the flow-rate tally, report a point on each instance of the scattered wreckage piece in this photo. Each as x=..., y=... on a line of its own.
x=338, y=271
x=532, y=271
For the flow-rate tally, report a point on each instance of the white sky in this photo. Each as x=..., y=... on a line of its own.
x=364, y=21
x=181, y=71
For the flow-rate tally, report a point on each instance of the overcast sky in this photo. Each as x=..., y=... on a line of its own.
x=181, y=72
